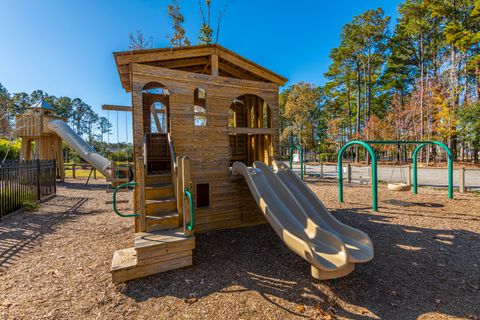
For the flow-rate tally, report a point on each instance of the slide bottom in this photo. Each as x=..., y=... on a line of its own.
x=328, y=275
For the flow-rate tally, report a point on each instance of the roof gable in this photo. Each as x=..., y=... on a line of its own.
x=204, y=59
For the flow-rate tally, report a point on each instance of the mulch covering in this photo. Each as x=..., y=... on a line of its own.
x=54, y=263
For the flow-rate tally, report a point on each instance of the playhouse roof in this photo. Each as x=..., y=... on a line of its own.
x=41, y=104
x=197, y=59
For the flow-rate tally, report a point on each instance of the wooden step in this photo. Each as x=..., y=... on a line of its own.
x=154, y=252
x=156, y=207
x=168, y=220
x=149, y=244
x=159, y=191
x=126, y=266
x=163, y=177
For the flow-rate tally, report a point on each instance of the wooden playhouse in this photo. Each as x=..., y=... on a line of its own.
x=195, y=111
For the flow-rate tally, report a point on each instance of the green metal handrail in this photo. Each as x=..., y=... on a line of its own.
x=301, y=159
x=190, y=224
x=125, y=185
x=374, y=171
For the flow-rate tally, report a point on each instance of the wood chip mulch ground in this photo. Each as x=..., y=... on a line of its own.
x=54, y=264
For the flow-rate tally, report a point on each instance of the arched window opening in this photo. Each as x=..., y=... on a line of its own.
x=249, y=144
x=200, y=107
x=237, y=114
x=155, y=108
x=155, y=88
x=156, y=125
x=249, y=111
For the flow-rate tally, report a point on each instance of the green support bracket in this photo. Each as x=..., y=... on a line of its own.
x=125, y=185
x=374, y=171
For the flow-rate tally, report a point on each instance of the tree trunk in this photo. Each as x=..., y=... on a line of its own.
x=369, y=86
x=422, y=93
x=365, y=110
x=359, y=107
x=454, y=102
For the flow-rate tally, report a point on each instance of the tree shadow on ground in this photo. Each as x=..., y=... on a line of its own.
x=415, y=271
x=20, y=232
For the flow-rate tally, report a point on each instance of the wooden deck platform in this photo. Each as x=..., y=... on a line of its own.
x=154, y=252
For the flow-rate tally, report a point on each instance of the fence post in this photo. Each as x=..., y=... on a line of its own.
x=55, y=176
x=462, y=180
x=409, y=175
x=39, y=196
x=369, y=170
x=349, y=173
x=73, y=170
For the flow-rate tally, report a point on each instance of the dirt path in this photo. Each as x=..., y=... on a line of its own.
x=54, y=263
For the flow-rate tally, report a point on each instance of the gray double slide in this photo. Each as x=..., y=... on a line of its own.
x=303, y=223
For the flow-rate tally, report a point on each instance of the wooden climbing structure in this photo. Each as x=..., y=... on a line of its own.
x=195, y=110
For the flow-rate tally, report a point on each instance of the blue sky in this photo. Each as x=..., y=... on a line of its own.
x=64, y=47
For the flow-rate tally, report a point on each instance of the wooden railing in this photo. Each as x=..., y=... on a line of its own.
x=180, y=168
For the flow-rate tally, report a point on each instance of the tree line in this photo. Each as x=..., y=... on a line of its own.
x=419, y=80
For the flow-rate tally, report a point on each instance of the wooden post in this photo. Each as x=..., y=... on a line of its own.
x=214, y=64
x=185, y=185
x=141, y=195
x=462, y=180
x=349, y=172
x=178, y=190
x=73, y=170
x=409, y=175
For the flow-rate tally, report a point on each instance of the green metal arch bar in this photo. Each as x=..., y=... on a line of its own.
x=421, y=144
x=292, y=148
x=374, y=171
x=191, y=224
x=125, y=185
x=450, y=165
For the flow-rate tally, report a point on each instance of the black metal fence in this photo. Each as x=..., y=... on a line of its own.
x=23, y=182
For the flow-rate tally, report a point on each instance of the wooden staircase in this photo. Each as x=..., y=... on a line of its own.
x=163, y=246
x=161, y=205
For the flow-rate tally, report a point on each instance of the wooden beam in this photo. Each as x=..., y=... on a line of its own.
x=244, y=130
x=116, y=107
x=177, y=75
x=181, y=63
x=235, y=72
x=257, y=70
x=161, y=55
x=214, y=63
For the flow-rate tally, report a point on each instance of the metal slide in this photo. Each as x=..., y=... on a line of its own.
x=303, y=223
x=83, y=149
